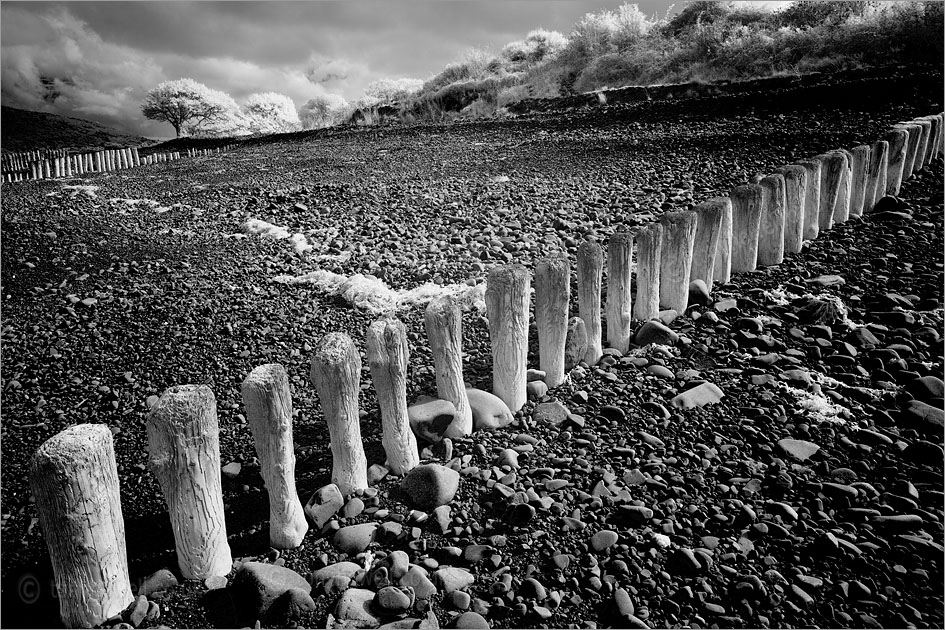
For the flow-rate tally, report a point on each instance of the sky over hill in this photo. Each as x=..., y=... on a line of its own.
x=96, y=60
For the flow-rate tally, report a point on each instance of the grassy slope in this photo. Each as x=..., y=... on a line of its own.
x=26, y=131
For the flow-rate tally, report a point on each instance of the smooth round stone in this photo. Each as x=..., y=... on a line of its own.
x=392, y=600
x=603, y=539
x=460, y=600
x=532, y=588
x=471, y=621
x=354, y=538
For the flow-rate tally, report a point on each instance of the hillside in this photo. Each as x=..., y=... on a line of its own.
x=24, y=130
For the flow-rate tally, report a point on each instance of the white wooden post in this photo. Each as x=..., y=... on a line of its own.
x=590, y=265
x=444, y=325
x=552, y=296
x=507, y=297
x=74, y=480
x=269, y=415
x=746, y=221
x=619, y=300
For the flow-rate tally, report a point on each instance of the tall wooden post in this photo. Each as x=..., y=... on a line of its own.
x=387, y=355
x=443, y=321
x=706, y=243
x=336, y=374
x=507, y=300
x=649, y=253
x=679, y=232
x=795, y=196
x=746, y=221
x=269, y=414
x=590, y=265
x=184, y=455
x=552, y=296
x=860, y=168
x=619, y=304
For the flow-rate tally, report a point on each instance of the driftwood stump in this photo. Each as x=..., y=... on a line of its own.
x=771, y=227
x=833, y=167
x=860, y=168
x=795, y=196
x=706, y=244
x=184, y=455
x=74, y=480
x=649, y=252
x=269, y=415
x=336, y=374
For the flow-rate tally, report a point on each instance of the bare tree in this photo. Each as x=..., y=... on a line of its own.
x=186, y=101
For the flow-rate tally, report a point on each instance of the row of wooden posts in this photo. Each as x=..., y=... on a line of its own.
x=21, y=159
x=64, y=164
x=74, y=473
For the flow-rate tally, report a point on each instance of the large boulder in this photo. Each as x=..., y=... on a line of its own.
x=258, y=585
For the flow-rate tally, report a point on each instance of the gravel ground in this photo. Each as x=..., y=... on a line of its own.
x=106, y=303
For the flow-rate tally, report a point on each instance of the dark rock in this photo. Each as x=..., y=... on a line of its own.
x=655, y=332
x=258, y=585
x=576, y=346
x=430, y=485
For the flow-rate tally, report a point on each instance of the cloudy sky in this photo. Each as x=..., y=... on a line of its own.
x=96, y=60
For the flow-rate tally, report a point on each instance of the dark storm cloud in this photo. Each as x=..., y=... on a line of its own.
x=100, y=58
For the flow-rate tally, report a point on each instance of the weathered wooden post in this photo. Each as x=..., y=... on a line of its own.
x=387, y=354
x=135, y=156
x=679, y=233
x=444, y=325
x=795, y=196
x=57, y=168
x=507, y=300
x=898, y=139
x=833, y=168
x=912, y=145
x=746, y=221
x=649, y=253
x=723, y=256
x=336, y=374
x=619, y=306
x=860, y=168
x=841, y=211
x=706, y=243
x=47, y=168
x=932, y=147
x=74, y=480
x=269, y=415
x=590, y=265
x=67, y=165
x=924, y=139
x=552, y=296
x=878, y=176
x=184, y=455
x=771, y=228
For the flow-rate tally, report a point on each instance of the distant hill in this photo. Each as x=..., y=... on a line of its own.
x=23, y=130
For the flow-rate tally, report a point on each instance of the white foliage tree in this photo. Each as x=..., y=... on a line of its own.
x=322, y=111
x=270, y=112
x=391, y=90
x=185, y=103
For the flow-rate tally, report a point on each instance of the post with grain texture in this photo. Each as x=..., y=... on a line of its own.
x=795, y=195
x=387, y=354
x=723, y=256
x=269, y=415
x=74, y=480
x=898, y=140
x=590, y=265
x=912, y=145
x=771, y=227
x=184, y=455
x=831, y=176
x=746, y=221
x=878, y=176
x=924, y=140
x=552, y=296
x=649, y=249
x=619, y=304
x=706, y=244
x=841, y=211
x=507, y=300
x=932, y=148
x=679, y=233
x=860, y=169
x=444, y=325
x=336, y=374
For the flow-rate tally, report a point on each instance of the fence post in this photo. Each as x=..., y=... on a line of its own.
x=74, y=480
x=184, y=455
x=706, y=244
x=795, y=193
x=269, y=415
x=336, y=374
x=619, y=302
x=590, y=265
x=860, y=167
x=811, y=199
x=679, y=231
x=832, y=170
x=507, y=309
x=841, y=211
x=444, y=326
x=746, y=221
x=552, y=296
x=388, y=355
x=771, y=227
